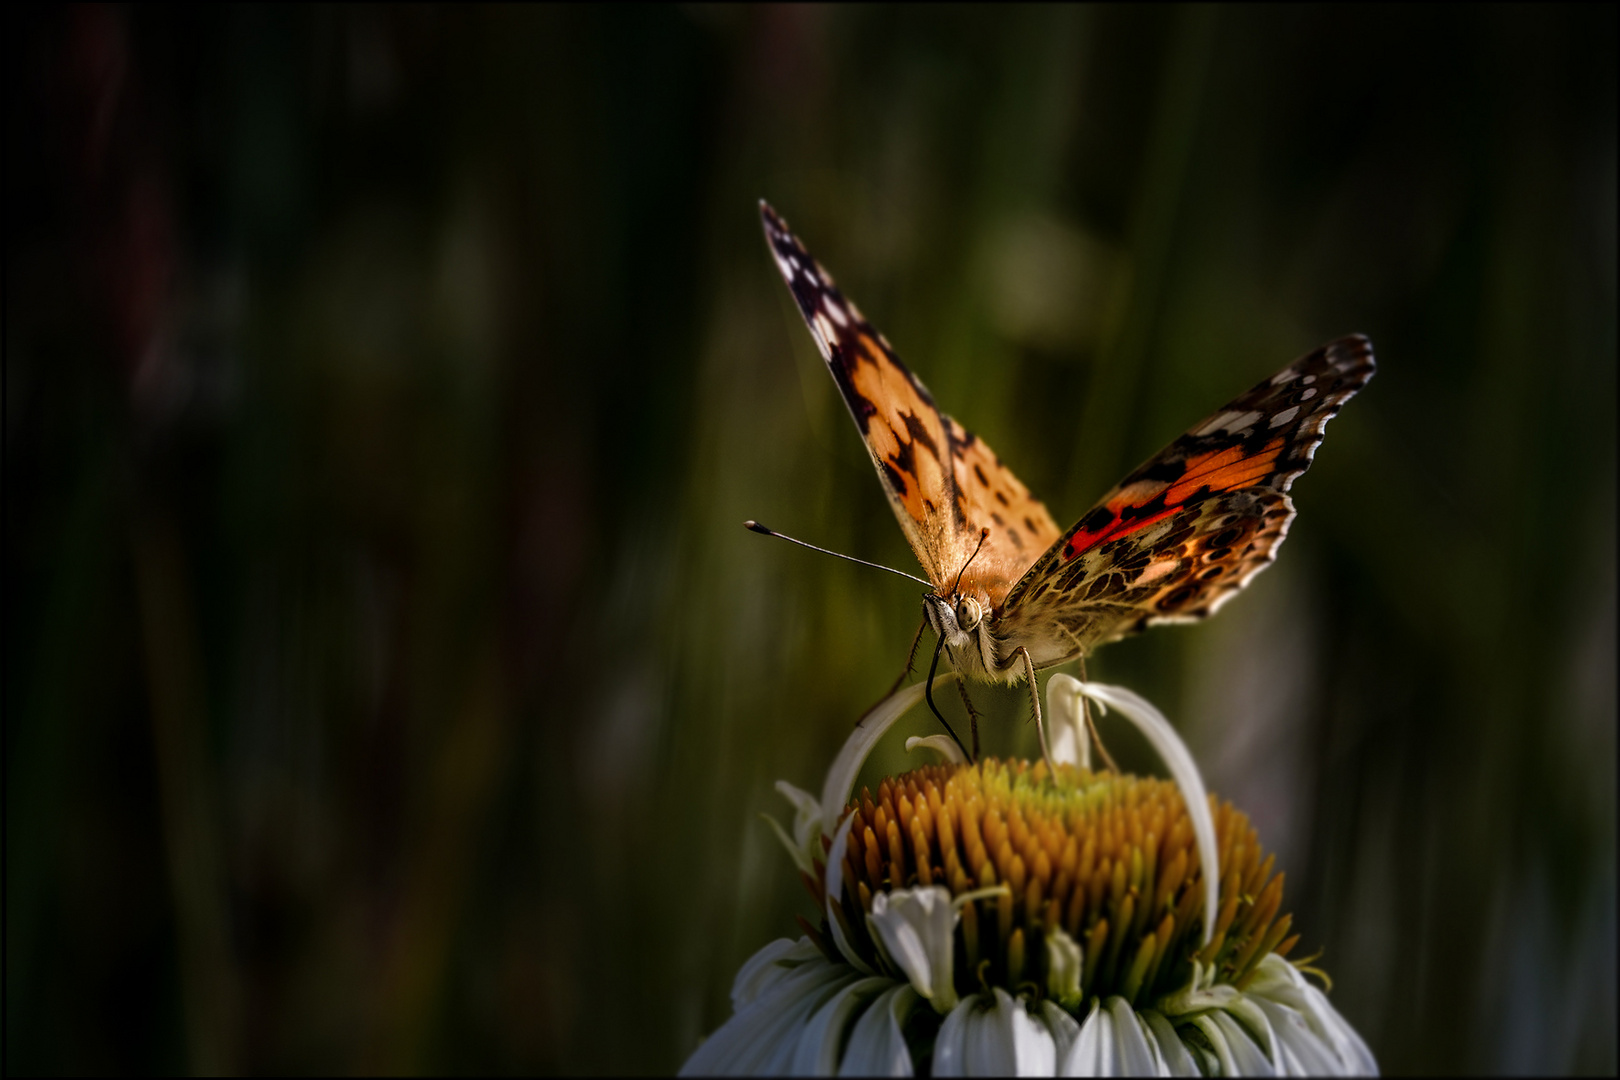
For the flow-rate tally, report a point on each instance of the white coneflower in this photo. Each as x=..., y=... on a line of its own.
x=998, y=919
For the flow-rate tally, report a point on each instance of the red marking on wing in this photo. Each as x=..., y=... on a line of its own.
x=1207, y=474
x=1083, y=541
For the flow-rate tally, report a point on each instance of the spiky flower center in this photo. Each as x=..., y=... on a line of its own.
x=1108, y=859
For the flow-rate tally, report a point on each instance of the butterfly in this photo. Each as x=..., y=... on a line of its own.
x=1174, y=540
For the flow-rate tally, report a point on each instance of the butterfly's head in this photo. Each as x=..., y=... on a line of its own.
x=955, y=618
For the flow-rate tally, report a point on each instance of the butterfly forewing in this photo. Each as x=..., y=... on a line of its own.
x=945, y=485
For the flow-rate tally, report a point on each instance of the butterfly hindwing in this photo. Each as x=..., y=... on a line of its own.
x=1193, y=524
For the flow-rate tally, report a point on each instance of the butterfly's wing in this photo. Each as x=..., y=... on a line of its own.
x=945, y=485
x=1193, y=524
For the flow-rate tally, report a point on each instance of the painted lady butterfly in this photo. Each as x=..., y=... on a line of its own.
x=1174, y=540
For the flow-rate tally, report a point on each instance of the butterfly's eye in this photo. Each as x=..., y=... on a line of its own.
x=968, y=613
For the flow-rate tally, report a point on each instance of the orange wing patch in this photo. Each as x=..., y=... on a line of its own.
x=991, y=497
x=903, y=429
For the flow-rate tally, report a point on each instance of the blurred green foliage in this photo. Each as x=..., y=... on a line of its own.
x=389, y=682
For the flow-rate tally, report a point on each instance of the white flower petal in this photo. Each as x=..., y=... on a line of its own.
x=834, y=895
x=845, y=767
x=1280, y=982
x=761, y=1037
x=917, y=928
x=1347, y=1042
x=800, y=858
x=1243, y=1055
x=769, y=965
x=1254, y=1022
x=1136, y=1056
x=1036, y=1048
x=1071, y=744
x=943, y=745
x=1178, y=1060
x=877, y=1045
x=805, y=843
x=1065, y=1030
x=806, y=813
x=1151, y=722
x=1065, y=963
x=821, y=1043
x=1094, y=1052
x=1301, y=1051
x=994, y=1037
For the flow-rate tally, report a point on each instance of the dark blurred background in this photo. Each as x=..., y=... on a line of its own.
x=389, y=683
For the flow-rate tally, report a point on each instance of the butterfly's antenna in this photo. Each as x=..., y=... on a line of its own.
x=984, y=534
x=754, y=526
x=928, y=692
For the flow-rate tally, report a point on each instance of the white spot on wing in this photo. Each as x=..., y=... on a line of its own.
x=1155, y=571
x=1230, y=422
x=1283, y=376
x=1306, y=395
x=823, y=329
x=1284, y=417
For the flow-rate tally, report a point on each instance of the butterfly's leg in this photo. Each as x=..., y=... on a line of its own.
x=1035, y=706
x=973, y=715
x=928, y=692
x=1091, y=726
x=910, y=659
x=911, y=656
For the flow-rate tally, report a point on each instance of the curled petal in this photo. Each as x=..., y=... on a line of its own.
x=834, y=895
x=943, y=745
x=845, y=767
x=1065, y=962
x=1071, y=745
x=917, y=928
x=1151, y=722
x=807, y=815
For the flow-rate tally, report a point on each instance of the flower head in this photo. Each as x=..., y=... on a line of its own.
x=1003, y=917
